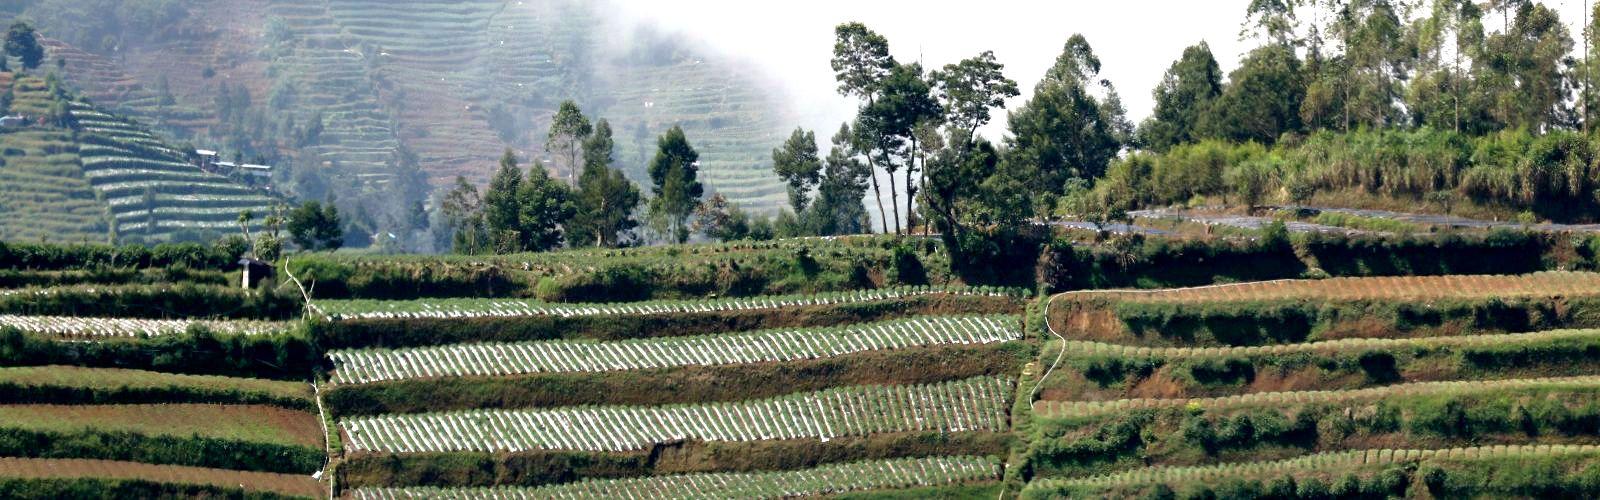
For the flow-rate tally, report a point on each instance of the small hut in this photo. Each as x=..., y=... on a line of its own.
x=253, y=271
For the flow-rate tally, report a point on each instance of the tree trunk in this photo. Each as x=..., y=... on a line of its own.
x=894, y=202
x=877, y=194
x=911, y=190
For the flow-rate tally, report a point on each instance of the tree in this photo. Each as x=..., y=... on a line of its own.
x=1183, y=99
x=1376, y=58
x=567, y=134
x=839, y=207
x=314, y=226
x=905, y=100
x=1526, y=73
x=1064, y=132
x=1442, y=93
x=720, y=219
x=502, y=212
x=674, y=172
x=969, y=90
x=861, y=62
x=463, y=213
x=245, y=217
x=797, y=164
x=1271, y=20
x=958, y=167
x=605, y=199
x=1263, y=97
x=544, y=208
x=22, y=43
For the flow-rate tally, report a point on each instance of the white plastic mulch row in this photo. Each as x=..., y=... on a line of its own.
x=377, y=365
x=967, y=405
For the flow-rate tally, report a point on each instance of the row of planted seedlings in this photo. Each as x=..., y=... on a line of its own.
x=766, y=385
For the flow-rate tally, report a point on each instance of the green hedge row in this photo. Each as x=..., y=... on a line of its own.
x=1163, y=263
x=414, y=332
x=1107, y=376
x=550, y=467
x=1294, y=321
x=1177, y=436
x=198, y=351
x=48, y=256
x=54, y=489
x=194, y=451
x=13, y=393
x=12, y=278
x=676, y=272
x=680, y=385
x=182, y=300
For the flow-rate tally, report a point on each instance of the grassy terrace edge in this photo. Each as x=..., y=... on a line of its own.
x=1554, y=461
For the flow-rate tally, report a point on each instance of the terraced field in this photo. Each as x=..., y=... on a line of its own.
x=43, y=193
x=144, y=179
x=919, y=397
x=1429, y=387
x=456, y=83
x=107, y=177
x=1383, y=386
x=111, y=405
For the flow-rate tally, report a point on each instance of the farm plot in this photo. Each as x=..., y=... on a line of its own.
x=79, y=328
x=1324, y=462
x=338, y=310
x=122, y=160
x=843, y=478
x=253, y=423
x=64, y=384
x=972, y=405
x=1087, y=409
x=299, y=485
x=365, y=366
x=43, y=194
x=1543, y=284
x=1095, y=371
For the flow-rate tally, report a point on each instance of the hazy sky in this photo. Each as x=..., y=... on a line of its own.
x=1135, y=39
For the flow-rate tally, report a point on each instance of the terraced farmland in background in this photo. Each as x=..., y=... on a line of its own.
x=106, y=176
x=43, y=193
x=143, y=178
x=727, y=114
x=430, y=77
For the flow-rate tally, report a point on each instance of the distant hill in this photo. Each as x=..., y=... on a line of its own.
x=74, y=173
x=370, y=90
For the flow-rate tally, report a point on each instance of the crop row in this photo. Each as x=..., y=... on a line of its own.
x=1085, y=348
x=336, y=310
x=1542, y=284
x=299, y=485
x=375, y=365
x=1071, y=409
x=832, y=479
x=969, y=405
x=1321, y=461
x=93, y=328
